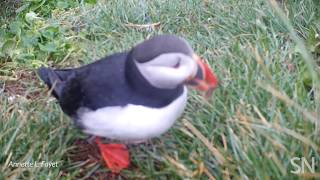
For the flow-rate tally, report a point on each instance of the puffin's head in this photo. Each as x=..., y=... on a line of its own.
x=167, y=61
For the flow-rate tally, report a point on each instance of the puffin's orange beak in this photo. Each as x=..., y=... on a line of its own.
x=204, y=79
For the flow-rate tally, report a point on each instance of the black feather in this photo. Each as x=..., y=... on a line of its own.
x=52, y=80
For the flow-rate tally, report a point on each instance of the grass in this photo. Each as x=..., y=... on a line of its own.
x=265, y=112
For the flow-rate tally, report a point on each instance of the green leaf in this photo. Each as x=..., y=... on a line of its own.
x=26, y=56
x=8, y=46
x=32, y=17
x=15, y=27
x=91, y=1
x=29, y=39
x=50, y=32
x=62, y=4
x=49, y=47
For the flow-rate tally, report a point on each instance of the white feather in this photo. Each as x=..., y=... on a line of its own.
x=133, y=122
x=168, y=70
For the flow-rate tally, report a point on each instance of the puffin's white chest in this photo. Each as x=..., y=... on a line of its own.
x=133, y=122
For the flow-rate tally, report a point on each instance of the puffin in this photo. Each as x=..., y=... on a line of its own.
x=131, y=96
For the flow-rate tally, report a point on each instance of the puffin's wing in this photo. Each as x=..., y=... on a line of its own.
x=93, y=86
x=66, y=87
x=54, y=79
x=72, y=94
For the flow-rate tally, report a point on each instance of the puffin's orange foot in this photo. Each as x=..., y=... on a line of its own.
x=116, y=156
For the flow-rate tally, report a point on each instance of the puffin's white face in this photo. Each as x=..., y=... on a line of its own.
x=168, y=70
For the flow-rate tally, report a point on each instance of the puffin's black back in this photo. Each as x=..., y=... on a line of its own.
x=112, y=81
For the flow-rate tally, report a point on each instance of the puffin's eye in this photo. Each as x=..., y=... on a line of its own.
x=177, y=64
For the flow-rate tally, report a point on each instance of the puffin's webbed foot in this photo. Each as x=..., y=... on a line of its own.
x=116, y=156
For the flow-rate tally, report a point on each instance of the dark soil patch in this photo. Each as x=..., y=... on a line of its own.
x=8, y=8
x=84, y=151
x=25, y=84
x=89, y=153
